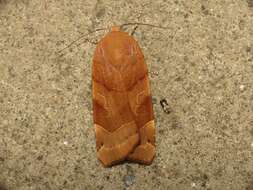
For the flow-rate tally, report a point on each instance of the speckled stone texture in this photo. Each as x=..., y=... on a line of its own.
x=202, y=66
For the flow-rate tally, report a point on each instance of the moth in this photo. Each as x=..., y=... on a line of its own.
x=122, y=104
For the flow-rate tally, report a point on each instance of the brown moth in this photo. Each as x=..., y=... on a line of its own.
x=122, y=105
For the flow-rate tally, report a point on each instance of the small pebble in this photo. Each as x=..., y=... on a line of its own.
x=242, y=87
x=129, y=180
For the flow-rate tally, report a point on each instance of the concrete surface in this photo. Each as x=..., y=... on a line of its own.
x=202, y=65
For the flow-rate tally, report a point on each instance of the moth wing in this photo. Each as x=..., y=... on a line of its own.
x=141, y=105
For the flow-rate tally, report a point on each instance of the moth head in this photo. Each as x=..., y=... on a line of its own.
x=118, y=48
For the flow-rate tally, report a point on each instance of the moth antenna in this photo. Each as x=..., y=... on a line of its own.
x=132, y=33
x=143, y=24
x=80, y=37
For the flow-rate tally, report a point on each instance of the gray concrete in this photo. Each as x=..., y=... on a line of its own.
x=202, y=65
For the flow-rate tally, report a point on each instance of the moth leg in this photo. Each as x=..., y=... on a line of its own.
x=133, y=32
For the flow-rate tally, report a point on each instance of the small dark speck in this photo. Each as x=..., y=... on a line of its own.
x=186, y=15
x=1, y=159
x=40, y=157
x=251, y=132
x=204, y=10
x=248, y=49
x=241, y=24
x=250, y=3
x=178, y=78
x=161, y=132
x=205, y=177
x=203, y=184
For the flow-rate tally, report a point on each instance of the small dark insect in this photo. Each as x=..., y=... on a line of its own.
x=165, y=106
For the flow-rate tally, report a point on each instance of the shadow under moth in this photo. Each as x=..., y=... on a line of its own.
x=122, y=104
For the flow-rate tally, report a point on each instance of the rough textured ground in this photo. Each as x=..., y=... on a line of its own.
x=202, y=65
